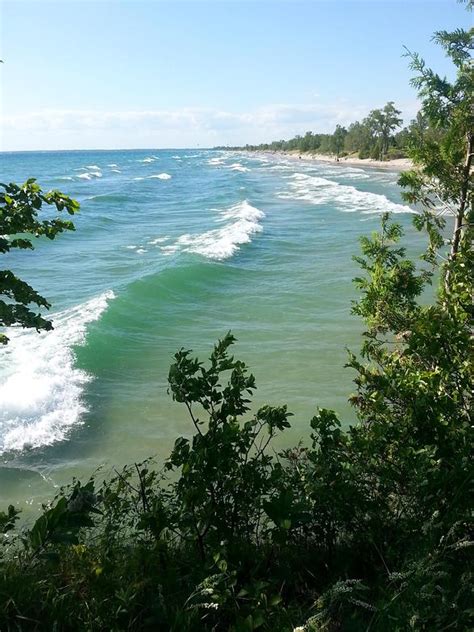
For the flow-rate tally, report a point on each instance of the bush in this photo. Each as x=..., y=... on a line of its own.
x=394, y=153
x=364, y=529
x=356, y=529
x=363, y=154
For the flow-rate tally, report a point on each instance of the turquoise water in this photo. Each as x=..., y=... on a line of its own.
x=171, y=249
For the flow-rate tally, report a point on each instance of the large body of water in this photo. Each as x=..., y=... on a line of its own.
x=172, y=249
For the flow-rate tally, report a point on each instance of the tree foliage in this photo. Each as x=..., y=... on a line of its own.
x=19, y=223
x=365, y=529
x=373, y=137
x=382, y=124
x=337, y=140
x=368, y=529
x=442, y=182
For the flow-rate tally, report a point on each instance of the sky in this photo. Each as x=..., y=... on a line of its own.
x=113, y=74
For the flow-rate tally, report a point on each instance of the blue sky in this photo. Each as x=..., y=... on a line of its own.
x=125, y=74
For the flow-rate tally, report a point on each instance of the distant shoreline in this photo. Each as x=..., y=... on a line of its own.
x=400, y=164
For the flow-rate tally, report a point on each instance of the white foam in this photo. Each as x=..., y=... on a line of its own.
x=216, y=161
x=169, y=250
x=221, y=243
x=116, y=170
x=280, y=168
x=40, y=388
x=354, y=174
x=90, y=174
x=112, y=165
x=131, y=247
x=145, y=160
x=158, y=240
x=236, y=166
x=140, y=251
x=161, y=176
x=317, y=190
x=96, y=167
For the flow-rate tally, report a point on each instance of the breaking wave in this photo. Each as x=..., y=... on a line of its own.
x=317, y=190
x=40, y=388
x=243, y=220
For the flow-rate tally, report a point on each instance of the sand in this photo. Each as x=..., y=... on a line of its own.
x=401, y=164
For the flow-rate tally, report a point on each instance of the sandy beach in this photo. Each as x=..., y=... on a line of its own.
x=401, y=164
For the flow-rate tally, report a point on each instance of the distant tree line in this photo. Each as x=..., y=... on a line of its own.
x=379, y=135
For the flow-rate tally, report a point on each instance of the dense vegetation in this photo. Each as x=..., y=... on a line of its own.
x=374, y=137
x=19, y=207
x=365, y=529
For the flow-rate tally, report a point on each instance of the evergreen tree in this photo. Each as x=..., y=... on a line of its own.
x=442, y=180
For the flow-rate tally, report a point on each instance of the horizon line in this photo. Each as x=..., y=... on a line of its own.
x=25, y=151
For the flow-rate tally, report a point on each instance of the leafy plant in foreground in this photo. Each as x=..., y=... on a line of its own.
x=368, y=529
x=19, y=207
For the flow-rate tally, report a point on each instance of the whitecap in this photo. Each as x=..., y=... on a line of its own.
x=89, y=175
x=168, y=250
x=112, y=165
x=355, y=176
x=40, y=388
x=238, y=167
x=221, y=243
x=140, y=251
x=161, y=176
x=216, y=161
x=116, y=170
x=158, y=240
x=317, y=190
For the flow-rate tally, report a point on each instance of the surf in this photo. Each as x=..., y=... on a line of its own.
x=41, y=388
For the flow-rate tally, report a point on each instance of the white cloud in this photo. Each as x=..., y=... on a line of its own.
x=184, y=127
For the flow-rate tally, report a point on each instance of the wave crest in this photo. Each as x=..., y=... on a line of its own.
x=317, y=190
x=222, y=243
x=40, y=388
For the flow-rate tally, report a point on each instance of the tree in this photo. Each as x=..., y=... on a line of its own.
x=358, y=139
x=306, y=142
x=365, y=529
x=337, y=139
x=19, y=223
x=383, y=123
x=442, y=182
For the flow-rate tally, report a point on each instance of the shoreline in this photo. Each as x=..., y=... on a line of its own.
x=399, y=164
